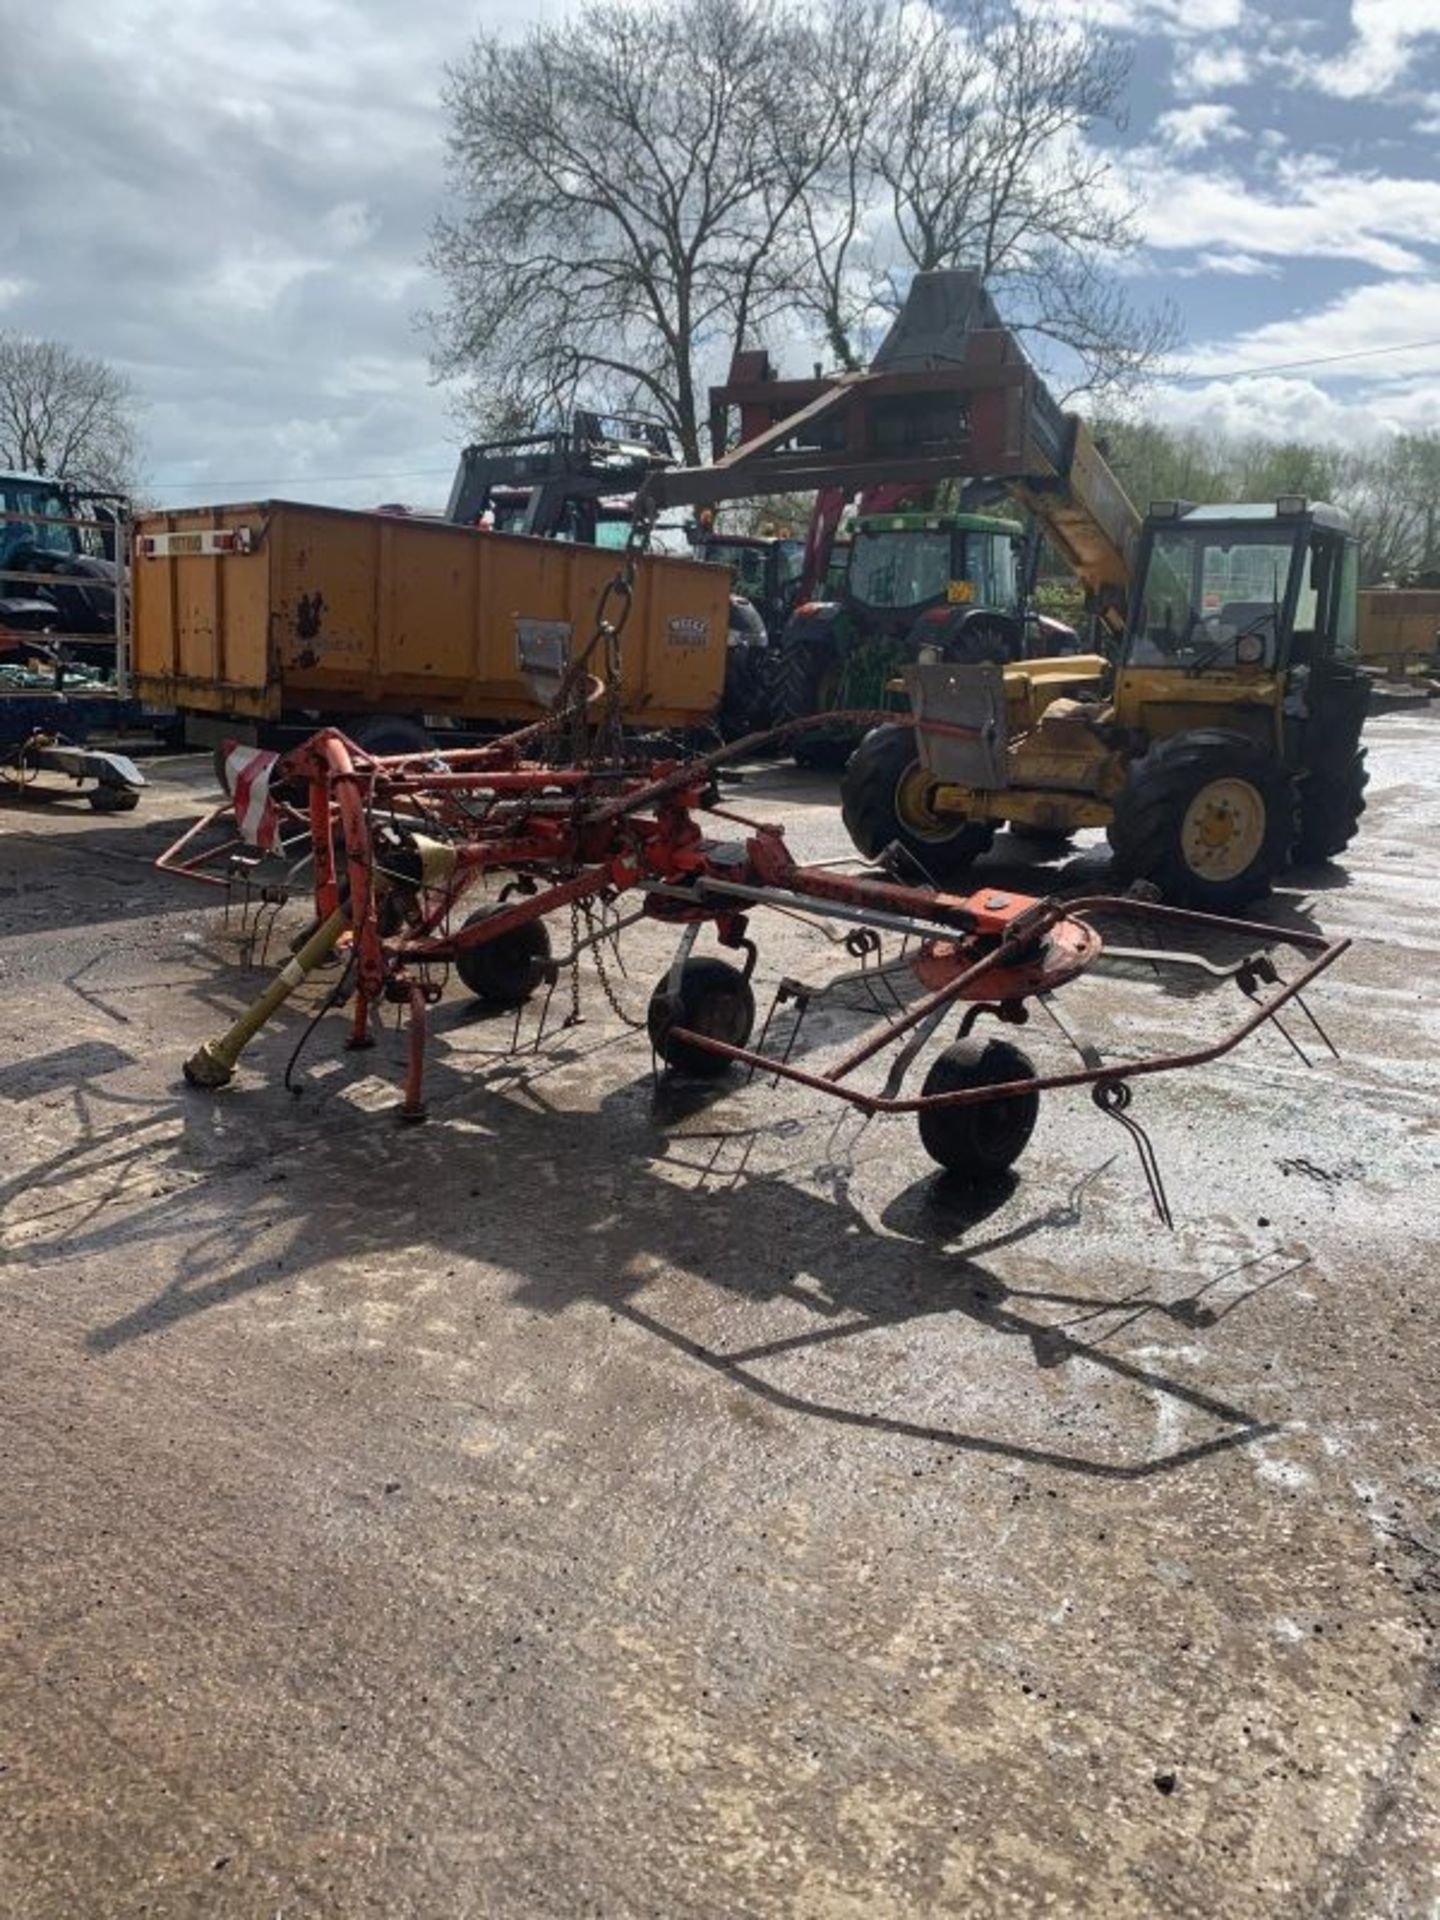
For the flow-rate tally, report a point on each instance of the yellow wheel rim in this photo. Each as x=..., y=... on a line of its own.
x=914, y=811
x=1223, y=829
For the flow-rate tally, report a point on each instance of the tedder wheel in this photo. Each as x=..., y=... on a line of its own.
x=504, y=972
x=1209, y=817
x=1331, y=803
x=884, y=796
x=713, y=998
x=113, y=799
x=986, y=1138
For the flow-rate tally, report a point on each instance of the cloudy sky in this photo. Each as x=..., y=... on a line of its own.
x=231, y=202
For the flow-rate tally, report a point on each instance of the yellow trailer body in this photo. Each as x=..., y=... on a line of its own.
x=275, y=608
x=1398, y=625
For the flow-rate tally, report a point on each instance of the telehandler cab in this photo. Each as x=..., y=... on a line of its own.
x=1223, y=743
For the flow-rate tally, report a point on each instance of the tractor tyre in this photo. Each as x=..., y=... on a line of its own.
x=506, y=971
x=883, y=798
x=745, y=701
x=984, y=641
x=113, y=799
x=387, y=733
x=1208, y=817
x=713, y=998
x=977, y=1142
x=807, y=679
x=1331, y=803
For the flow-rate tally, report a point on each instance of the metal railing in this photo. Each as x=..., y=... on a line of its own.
x=96, y=532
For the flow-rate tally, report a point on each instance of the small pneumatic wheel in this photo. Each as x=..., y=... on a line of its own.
x=504, y=972
x=983, y=1139
x=113, y=799
x=712, y=998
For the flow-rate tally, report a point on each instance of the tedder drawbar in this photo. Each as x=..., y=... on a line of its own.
x=402, y=844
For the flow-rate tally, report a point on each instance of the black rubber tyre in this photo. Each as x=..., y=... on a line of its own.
x=113, y=799
x=745, y=701
x=384, y=733
x=980, y=1141
x=881, y=796
x=1331, y=803
x=506, y=971
x=980, y=641
x=807, y=672
x=1208, y=817
x=713, y=998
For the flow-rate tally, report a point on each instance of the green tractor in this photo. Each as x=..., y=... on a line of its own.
x=915, y=586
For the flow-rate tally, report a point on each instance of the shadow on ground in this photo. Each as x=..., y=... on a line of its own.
x=608, y=1208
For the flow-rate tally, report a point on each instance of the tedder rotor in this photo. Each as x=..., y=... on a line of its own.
x=404, y=846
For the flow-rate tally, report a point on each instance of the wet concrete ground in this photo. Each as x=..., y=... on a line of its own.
x=596, y=1504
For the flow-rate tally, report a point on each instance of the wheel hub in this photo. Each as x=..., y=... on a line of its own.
x=1223, y=829
x=914, y=811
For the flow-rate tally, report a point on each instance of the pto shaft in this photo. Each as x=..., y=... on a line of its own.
x=213, y=1065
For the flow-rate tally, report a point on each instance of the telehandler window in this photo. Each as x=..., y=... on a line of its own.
x=1215, y=596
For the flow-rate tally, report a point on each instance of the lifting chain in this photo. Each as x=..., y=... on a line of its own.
x=570, y=713
x=595, y=945
x=607, y=986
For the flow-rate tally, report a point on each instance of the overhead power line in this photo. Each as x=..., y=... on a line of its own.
x=430, y=473
x=1293, y=366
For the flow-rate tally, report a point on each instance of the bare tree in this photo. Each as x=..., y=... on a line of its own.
x=631, y=183
x=66, y=414
x=981, y=158
x=642, y=188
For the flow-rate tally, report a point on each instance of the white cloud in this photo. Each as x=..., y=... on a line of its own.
x=1310, y=209
x=1205, y=69
x=1386, y=36
x=1192, y=129
x=1184, y=17
x=1382, y=319
x=1238, y=264
x=1279, y=408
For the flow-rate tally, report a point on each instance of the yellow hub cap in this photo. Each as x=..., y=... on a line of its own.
x=1223, y=829
x=913, y=810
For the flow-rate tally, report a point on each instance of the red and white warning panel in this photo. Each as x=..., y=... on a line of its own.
x=196, y=540
x=247, y=777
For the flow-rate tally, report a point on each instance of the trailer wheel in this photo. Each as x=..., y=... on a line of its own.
x=384, y=733
x=504, y=972
x=113, y=799
x=713, y=998
x=979, y=1141
x=884, y=797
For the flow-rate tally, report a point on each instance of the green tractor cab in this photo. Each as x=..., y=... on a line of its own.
x=1223, y=744
x=915, y=586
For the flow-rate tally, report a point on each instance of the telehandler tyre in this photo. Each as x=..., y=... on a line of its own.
x=884, y=798
x=1209, y=817
x=1331, y=803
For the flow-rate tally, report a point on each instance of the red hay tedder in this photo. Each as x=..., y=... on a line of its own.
x=401, y=846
